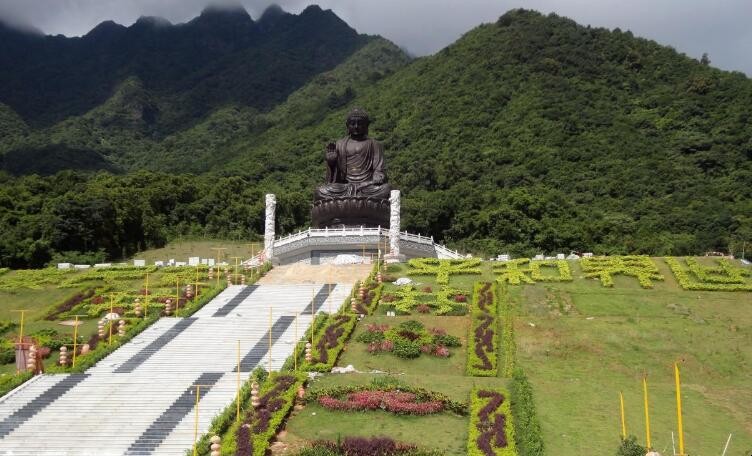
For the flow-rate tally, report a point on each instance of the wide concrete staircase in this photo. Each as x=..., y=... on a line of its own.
x=141, y=400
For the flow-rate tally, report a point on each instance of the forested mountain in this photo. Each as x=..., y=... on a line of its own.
x=529, y=134
x=220, y=57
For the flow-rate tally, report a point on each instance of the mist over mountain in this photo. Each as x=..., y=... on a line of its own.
x=531, y=134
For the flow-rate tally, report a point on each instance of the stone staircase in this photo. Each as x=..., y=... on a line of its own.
x=141, y=400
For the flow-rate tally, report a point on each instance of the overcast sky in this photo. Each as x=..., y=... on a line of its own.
x=719, y=27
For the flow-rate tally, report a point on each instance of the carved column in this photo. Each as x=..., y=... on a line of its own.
x=394, y=229
x=271, y=206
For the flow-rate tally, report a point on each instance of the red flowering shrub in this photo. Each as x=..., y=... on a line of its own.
x=460, y=298
x=388, y=297
x=427, y=349
x=427, y=290
x=387, y=345
x=376, y=328
x=438, y=331
x=97, y=300
x=423, y=308
x=391, y=401
x=441, y=351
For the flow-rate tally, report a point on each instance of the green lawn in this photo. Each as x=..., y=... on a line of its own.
x=182, y=250
x=578, y=361
x=580, y=344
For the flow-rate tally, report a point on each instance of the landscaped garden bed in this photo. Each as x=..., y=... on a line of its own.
x=481, y=360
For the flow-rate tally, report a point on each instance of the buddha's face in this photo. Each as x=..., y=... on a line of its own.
x=357, y=127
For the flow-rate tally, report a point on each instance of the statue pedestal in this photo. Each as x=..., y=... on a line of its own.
x=352, y=211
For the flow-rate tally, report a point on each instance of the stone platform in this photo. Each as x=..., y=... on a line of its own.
x=323, y=246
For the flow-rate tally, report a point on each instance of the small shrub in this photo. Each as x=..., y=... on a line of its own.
x=423, y=308
x=630, y=447
x=412, y=325
x=406, y=349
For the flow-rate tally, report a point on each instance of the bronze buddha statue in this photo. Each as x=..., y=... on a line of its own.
x=356, y=191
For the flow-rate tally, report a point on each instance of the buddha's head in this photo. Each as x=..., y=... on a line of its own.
x=357, y=123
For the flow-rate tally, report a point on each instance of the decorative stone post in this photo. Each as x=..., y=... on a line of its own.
x=394, y=255
x=216, y=448
x=63, y=356
x=137, y=307
x=121, y=328
x=100, y=329
x=168, y=306
x=308, y=354
x=271, y=207
x=254, y=395
x=31, y=360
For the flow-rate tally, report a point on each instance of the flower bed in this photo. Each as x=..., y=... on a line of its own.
x=398, y=402
x=408, y=299
x=491, y=428
x=605, y=268
x=329, y=341
x=408, y=340
x=371, y=397
x=724, y=277
x=252, y=434
x=442, y=269
x=364, y=446
x=481, y=359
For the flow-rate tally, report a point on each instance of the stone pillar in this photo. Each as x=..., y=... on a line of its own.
x=271, y=207
x=394, y=229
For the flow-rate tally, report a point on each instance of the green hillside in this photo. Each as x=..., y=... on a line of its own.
x=535, y=133
x=532, y=134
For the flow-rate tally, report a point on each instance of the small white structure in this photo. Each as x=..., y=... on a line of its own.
x=64, y=265
x=180, y=263
x=573, y=256
x=210, y=262
x=560, y=256
x=504, y=257
x=159, y=264
x=81, y=266
x=139, y=263
x=587, y=255
x=539, y=257
x=194, y=261
x=171, y=261
x=103, y=265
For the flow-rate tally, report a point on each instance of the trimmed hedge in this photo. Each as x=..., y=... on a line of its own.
x=508, y=345
x=528, y=433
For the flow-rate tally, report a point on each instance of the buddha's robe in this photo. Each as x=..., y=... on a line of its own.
x=357, y=171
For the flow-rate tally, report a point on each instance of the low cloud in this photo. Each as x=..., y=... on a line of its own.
x=425, y=26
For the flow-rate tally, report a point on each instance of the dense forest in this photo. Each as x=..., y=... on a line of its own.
x=531, y=134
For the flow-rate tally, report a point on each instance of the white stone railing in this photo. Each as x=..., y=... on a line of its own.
x=363, y=231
